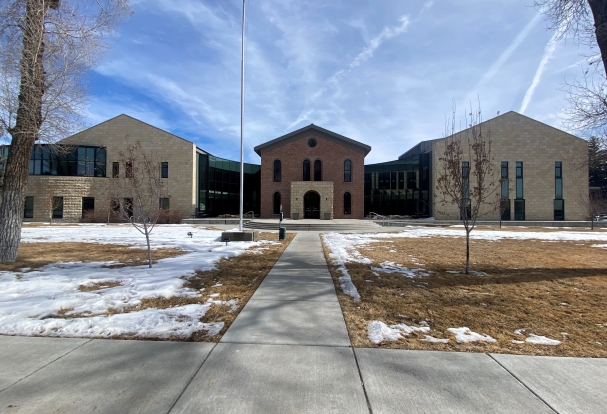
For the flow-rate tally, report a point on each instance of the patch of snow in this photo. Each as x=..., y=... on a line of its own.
x=379, y=332
x=434, y=340
x=465, y=335
x=180, y=322
x=30, y=301
x=391, y=267
x=519, y=331
x=541, y=340
x=514, y=341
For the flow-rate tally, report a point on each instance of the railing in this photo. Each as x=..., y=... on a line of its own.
x=252, y=213
x=375, y=216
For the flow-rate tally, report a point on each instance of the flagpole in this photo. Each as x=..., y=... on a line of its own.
x=242, y=123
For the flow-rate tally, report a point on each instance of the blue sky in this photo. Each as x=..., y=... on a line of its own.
x=382, y=72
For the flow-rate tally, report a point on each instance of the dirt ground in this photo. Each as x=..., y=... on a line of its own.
x=552, y=289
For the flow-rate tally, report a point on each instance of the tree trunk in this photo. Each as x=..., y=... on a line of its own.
x=467, y=252
x=599, y=13
x=147, y=238
x=26, y=130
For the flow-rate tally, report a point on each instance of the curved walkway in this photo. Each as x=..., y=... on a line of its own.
x=287, y=352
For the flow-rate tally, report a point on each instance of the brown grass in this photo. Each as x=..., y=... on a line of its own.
x=38, y=254
x=546, y=288
x=239, y=277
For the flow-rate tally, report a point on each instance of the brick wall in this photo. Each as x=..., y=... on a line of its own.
x=292, y=156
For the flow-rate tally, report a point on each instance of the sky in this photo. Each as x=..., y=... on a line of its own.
x=382, y=72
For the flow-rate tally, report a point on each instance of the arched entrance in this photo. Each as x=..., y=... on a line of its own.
x=312, y=205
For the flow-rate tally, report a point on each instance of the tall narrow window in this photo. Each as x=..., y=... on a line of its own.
x=128, y=206
x=466, y=179
x=317, y=170
x=165, y=203
x=57, y=207
x=277, y=203
x=347, y=203
x=505, y=189
x=466, y=204
x=115, y=169
x=88, y=204
x=28, y=210
x=306, y=170
x=128, y=169
x=347, y=172
x=277, y=171
x=164, y=170
x=519, y=202
x=559, y=203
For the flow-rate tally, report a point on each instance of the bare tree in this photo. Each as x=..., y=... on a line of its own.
x=139, y=192
x=465, y=176
x=593, y=203
x=47, y=48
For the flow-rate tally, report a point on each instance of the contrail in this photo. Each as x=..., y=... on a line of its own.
x=548, y=52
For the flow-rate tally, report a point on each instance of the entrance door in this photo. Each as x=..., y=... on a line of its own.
x=312, y=205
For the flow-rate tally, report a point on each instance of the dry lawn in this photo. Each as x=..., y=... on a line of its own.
x=554, y=289
x=39, y=254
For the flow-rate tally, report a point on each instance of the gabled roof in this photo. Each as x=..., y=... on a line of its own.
x=426, y=146
x=324, y=133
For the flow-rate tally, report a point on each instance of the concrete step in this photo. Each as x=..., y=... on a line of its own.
x=314, y=225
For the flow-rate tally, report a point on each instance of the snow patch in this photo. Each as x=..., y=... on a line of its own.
x=434, y=340
x=379, y=332
x=541, y=340
x=465, y=335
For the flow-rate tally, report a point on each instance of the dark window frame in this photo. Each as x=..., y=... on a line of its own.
x=347, y=171
x=347, y=203
x=306, y=170
x=276, y=203
x=164, y=203
x=57, y=207
x=277, y=171
x=28, y=207
x=317, y=170
x=164, y=169
x=86, y=202
x=115, y=170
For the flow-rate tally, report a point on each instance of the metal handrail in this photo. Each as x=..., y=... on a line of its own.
x=252, y=213
x=378, y=216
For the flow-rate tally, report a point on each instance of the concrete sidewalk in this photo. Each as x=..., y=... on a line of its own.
x=288, y=351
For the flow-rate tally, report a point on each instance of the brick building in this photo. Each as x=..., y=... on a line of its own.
x=312, y=173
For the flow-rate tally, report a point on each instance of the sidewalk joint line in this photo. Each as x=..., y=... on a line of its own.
x=522, y=383
x=362, y=382
x=46, y=365
x=191, y=378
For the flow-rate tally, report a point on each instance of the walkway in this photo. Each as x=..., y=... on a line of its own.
x=287, y=352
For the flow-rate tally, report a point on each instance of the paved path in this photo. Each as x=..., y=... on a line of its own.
x=287, y=352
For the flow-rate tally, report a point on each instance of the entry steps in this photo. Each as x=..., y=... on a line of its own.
x=315, y=225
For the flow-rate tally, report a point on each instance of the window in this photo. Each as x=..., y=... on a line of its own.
x=347, y=172
x=128, y=169
x=28, y=208
x=519, y=180
x=55, y=160
x=88, y=204
x=306, y=170
x=277, y=171
x=519, y=202
x=164, y=170
x=347, y=203
x=558, y=180
x=115, y=169
x=57, y=207
x=128, y=206
x=505, y=189
x=317, y=170
x=466, y=179
x=165, y=203
x=559, y=203
x=276, y=203
x=411, y=180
